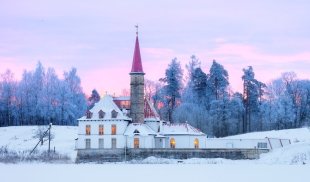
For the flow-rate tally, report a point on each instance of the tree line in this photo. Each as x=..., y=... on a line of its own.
x=206, y=101
x=41, y=97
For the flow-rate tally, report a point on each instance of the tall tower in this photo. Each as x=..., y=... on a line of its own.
x=137, y=86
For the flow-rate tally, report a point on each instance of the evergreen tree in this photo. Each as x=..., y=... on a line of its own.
x=218, y=81
x=172, y=88
x=94, y=98
x=252, y=96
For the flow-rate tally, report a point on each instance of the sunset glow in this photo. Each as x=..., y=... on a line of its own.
x=98, y=38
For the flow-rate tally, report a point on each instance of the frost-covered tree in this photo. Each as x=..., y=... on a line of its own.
x=252, y=96
x=171, y=91
x=217, y=81
x=40, y=98
x=94, y=98
x=7, y=98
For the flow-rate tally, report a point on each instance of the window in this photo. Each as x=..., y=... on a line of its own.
x=136, y=132
x=89, y=115
x=136, y=143
x=101, y=129
x=113, y=129
x=114, y=114
x=196, y=143
x=101, y=114
x=172, y=143
x=87, y=129
x=261, y=145
x=113, y=143
x=100, y=143
x=87, y=143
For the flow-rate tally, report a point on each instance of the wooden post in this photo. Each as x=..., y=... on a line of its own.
x=49, y=139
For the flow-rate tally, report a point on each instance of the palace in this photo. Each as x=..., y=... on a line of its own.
x=132, y=122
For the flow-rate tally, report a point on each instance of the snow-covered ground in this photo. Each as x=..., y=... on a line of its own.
x=295, y=135
x=153, y=173
x=22, y=138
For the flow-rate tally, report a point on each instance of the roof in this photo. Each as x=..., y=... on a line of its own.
x=179, y=129
x=107, y=105
x=122, y=98
x=149, y=110
x=138, y=129
x=137, y=63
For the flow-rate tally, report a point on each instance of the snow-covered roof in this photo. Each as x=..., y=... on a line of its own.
x=107, y=105
x=150, y=111
x=122, y=98
x=139, y=129
x=179, y=129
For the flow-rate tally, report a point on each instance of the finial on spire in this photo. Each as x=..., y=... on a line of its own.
x=137, y=29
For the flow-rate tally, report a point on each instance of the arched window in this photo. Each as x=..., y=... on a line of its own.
x=101, y=114
x=89, y=114
x=136, y=143
x=172, y=143
x=196, y=143
x=114, y=114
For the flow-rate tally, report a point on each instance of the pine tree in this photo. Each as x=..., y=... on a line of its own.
x=94, y=98
x=218, y=81
x=172, y=88
x=252, y=96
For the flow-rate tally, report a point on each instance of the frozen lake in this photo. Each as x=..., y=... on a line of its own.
x=153, y=172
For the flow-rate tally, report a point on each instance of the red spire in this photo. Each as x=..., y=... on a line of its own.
x=137, y=63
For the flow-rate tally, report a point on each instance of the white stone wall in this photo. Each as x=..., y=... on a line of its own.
x=120, y=127
x=186, y=141
x=107, y=137
x=235, y=143
x=120, y=141
x=144, y=141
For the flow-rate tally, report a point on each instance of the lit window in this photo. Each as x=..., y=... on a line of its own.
x=136, y=143
x=113, y=143
x=172, y=143
x=89, y=115
x=196, y=143
x=87, y=129
x=114, y=114
x=101, y=130
x=101, y=143
x=113, y=129
x=101, y=114
x=87, y=143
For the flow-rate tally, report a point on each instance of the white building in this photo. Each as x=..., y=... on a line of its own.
x=108, y=125
x=105, y=126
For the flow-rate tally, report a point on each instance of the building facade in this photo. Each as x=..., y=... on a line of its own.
x=132, y=122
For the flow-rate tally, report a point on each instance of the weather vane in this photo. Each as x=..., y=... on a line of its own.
x=137, y=27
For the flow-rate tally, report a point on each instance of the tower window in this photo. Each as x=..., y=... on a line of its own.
x=113, y=129
x=114, y=114
x=87, y=130
x=101, y=114
x=196, y=143
x=172, y=143
x=101, y=129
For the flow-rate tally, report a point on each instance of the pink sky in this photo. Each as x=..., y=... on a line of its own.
x=98, y=37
